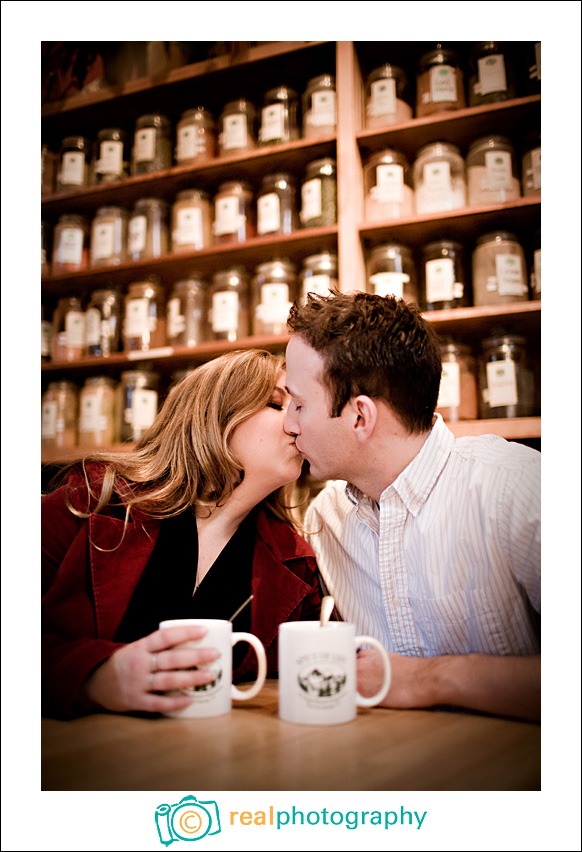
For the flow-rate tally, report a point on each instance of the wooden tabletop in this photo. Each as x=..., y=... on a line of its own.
x=252, y=749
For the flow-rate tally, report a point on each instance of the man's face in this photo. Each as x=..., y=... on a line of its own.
x=324, y=441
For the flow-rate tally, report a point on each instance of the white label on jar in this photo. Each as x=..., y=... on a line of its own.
x=226, y=215
x=46, y=336
x=73, y=168
x=103, y=241
x=501, y=383
x=389, y=283
x=48, y=423
x=70, y=245
x=510, y=279
x=144, y=407
x=224, y=311
x=536, y=167
x=498, y=167
x=75, y=329
x=443, y=83
x=145, y=145
x=137, y=318
x=389, y=184
x=274, y=305
x=136, y=235
x=189, y=228
x=323, y=109
x=235, y=132
x=268, y=213
x=110, y=158
x=491, y=70
x=537, y=272
x=272, y=123
x=382, y=97
x=90, y=417
x=435, y=192
x=93, y=327
x=176, y=320
x=187, y=147
x=311, y=207
x=320, y=284
x=440, y=279
x=450, y=389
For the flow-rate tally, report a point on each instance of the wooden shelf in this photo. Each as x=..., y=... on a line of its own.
x=516, y=428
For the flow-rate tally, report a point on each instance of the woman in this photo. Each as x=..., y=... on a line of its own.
x=188, y=524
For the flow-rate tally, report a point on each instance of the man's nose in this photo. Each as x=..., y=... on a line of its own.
x=290, y=424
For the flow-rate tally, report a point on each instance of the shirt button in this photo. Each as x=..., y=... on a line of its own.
x=395, y=601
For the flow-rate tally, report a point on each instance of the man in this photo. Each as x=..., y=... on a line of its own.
x=428, y=543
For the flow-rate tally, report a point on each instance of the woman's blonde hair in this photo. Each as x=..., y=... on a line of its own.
x=183, y=460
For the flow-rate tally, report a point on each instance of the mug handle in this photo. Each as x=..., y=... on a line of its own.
x=255, y=642
x=375, y=699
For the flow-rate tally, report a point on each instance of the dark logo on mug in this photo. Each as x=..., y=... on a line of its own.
x=322, y=681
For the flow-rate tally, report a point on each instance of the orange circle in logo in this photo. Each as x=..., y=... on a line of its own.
x=190, y=822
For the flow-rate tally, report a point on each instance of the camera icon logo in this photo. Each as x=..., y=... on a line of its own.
x=188, y=819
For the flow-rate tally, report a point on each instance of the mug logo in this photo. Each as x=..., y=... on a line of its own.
x=322, y=681
x=214, y=684
x=188, y=819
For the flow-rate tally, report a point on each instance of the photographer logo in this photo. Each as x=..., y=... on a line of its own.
x=188, y=819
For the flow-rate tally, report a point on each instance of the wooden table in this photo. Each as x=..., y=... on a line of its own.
x=252, y=749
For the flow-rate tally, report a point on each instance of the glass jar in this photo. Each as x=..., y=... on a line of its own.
x=144, y=324
x=234, y=216
x=97, y=412
x=195, y=137
x=191, y=221
x=136, y=403
x=439, y=178
x=531, y=164
x=439, y=82
x=507, y=384
x=319, y=107
x=458, y=389
x=277, y=205
x=499, y=270
x=535, y=275
x=45, y=247
x=534, y=67
x=319, y=194
x=59, y=416
x=48, y=170
x=319, y=274
x=74, y=163
x=388, y=96
x=273, y=291
x=68, y=330
x=46, y=335
x=390, y=271
x=388, y=192
x=147, y=232
x=187, y=311
x=70, y=244
x=152, y=144
x=112, y=155
x=444, y=276
x=102, y=323
x=237, y=127
x=492, y=174
x=279, y=116
x=229, y=304
x=491, y=77
x=109, y=236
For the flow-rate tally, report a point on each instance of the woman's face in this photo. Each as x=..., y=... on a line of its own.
x=267, y=453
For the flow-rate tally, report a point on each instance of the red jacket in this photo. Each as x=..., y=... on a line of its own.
x=87, y=586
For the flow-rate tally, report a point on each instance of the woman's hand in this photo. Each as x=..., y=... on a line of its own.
x=131, y=678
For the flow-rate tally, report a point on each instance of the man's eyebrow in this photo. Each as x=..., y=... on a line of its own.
x=291, y=393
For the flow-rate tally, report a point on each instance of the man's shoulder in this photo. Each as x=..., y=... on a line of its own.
x=492, y=450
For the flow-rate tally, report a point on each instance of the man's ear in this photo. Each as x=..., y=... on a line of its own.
x=364, y=416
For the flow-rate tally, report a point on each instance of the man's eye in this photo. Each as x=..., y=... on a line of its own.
x=275, y=405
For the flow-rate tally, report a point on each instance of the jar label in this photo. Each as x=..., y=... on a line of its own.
x=498, y=167
x=450, y=388
x=443, y=84
x=323, y=109
x=311, y=207
x=93, y=326
x=491, y=71
x=272, y=123
x=187, y=146
x=435, y=193
x=110, y=160
x=188, y=229
x=48, y=423
x=268, y=213
x=510, y=275
x=103, y=241
x=536, y=168
x=382, y=98
x=144, y=407
x=225, y=311
x=389, y=283
x=136, y=235
x=144, y=150
x=320, y=284
x=137, y=318
x=234, y=134
x=46, y=336
x=176, y=320
x=70, y=245
x=389, y=184
x=501, y=383
x=440, y=280
x=274, y=306
x=227, y=217
x=91, y=418
x=75, y=329
x=73, y=168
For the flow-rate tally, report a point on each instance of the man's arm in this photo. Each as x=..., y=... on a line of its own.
x=504, y=686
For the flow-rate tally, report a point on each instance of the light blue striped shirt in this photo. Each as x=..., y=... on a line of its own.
x=449, y=561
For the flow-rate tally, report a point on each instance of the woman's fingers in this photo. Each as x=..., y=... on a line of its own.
x=161, y=640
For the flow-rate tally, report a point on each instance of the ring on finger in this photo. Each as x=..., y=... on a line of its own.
x=154, y=663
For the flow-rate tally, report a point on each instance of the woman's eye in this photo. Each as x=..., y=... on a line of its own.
x=275, y=405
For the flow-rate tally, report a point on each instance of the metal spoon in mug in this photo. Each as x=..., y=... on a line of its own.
x=327, y=605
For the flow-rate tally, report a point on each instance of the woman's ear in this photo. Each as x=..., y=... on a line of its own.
x=364, y=416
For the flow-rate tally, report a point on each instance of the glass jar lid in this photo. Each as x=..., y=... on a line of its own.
x=438, y=149
x=325, y=166
x=113, y=134
x=62, y=385
x=240, y=105
x=280, y=180
x=96, y=381
x=153, y=120
x=388, y=155
x=199, y=115
x=325, y=260
x=386, y=71
x=497, y=237
x=192, y=195
x=281, y=93
x=278, y=267
x=79, y=143
x=506, y=341
x=135, y=376
x=322, y=81
x=194, y=281
x=493, y=141
x=439, y=56
x=234, y=185
x=111, y=210
x=231, y=277
x=442, y=245
x=389, y=251
x=153, y=203
x=73, y=219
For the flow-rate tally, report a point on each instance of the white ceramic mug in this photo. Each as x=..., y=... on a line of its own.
x=317, y=672
x=215, y=698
